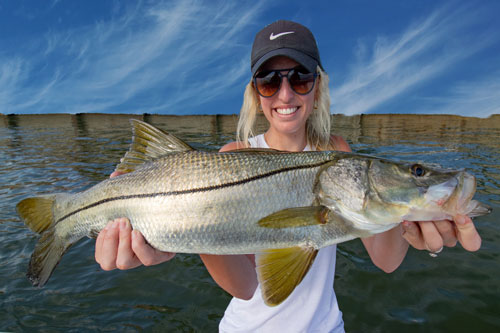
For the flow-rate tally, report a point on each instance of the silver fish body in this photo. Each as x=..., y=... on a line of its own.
x=199, y=202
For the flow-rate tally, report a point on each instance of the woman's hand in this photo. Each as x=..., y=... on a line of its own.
x=118, y=246
x=433, y=235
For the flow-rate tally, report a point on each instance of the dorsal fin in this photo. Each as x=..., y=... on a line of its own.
x=149, y=143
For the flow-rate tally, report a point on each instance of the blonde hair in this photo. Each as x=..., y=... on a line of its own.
x=317, y=125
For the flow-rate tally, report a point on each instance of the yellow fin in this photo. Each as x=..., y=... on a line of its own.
x=280, y=270
x=149, y=143
x=37, y=212
x=296, y=217
x=47, y=254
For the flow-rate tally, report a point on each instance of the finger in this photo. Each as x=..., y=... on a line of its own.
x=99, y=241
x=467, y=233
x=146, y=254
x=109, y=248
x=116, y=173
x=432, y=238
x=125, y=258
x=413, y=235
x=447, y=230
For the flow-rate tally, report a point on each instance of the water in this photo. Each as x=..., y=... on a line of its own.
x=457, y=291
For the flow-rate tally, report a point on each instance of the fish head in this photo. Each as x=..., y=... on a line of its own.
x=417, y=192
x=376, y=194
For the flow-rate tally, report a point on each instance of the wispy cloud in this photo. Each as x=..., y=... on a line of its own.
x=479, y=98
x=394, y=66
x=158, y=56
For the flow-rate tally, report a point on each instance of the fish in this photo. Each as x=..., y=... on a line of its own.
x=281, y=206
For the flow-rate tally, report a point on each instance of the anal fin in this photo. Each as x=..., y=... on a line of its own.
x=280, y=270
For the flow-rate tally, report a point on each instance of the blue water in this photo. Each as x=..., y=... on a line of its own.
x=457, y=291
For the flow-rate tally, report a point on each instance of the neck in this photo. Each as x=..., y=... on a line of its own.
x=286, y=141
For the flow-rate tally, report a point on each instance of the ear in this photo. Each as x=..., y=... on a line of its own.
x=257, y=99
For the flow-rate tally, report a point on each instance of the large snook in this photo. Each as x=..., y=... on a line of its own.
x=281, y=206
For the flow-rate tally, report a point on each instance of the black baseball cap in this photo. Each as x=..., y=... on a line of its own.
x=285, y=38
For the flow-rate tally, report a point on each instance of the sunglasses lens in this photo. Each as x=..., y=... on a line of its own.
x=302, y=83
x=268, y=83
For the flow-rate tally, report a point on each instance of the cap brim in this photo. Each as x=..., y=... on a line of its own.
x=308, y=62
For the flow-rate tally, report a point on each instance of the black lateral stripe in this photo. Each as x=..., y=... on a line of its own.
x=189, y=191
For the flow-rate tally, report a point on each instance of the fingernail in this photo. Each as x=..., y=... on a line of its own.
x=123, y=224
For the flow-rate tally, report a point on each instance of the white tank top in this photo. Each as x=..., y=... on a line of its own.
x=311, y=307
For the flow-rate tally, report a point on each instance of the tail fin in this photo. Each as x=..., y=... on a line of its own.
x=37, y=213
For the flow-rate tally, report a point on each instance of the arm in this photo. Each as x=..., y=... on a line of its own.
x=388, y=249
x=233, y=273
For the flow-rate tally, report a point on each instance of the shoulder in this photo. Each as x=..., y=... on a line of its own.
x=338, y=143
x=233, y=146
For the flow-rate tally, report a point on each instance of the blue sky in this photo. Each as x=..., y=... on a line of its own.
x=192, y=57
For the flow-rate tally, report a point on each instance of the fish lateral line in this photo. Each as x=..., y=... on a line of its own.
x=190, y=191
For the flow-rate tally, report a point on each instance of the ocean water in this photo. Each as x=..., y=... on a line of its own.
x=457, y=291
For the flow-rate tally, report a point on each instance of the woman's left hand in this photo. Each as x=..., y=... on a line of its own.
x=433, y=235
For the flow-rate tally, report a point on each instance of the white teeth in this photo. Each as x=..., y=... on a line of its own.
x=286, y=111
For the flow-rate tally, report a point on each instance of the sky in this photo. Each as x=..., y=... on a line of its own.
x=193, y=57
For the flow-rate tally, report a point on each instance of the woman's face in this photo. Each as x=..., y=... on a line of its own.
x=286, y=110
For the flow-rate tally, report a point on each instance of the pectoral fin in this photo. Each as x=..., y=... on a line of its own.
x=296, y=217
x=280, y=270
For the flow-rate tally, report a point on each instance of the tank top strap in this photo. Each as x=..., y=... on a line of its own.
x=258, y=142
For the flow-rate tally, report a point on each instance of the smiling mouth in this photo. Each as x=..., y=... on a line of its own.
x=286, y=111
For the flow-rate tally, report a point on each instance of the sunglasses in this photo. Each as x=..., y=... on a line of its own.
x=268, y=83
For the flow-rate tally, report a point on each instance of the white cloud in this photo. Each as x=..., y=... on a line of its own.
x=158, y=55
x=479, y=98
x=12, y=73
x=396, y=65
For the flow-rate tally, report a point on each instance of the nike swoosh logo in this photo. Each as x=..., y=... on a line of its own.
x=273, y=36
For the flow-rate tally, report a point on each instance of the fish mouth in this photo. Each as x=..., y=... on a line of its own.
x=448, y=199
x=440, y=194
x=463, y=193
x=455, y=195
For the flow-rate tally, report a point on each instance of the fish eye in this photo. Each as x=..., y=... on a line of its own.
x=417, y=170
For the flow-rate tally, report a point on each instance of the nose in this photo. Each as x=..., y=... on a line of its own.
x=285, y=93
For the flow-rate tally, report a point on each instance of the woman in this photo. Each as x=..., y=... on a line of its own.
x=290, y=88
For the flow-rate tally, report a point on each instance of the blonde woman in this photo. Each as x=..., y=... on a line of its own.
x=290, y=87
